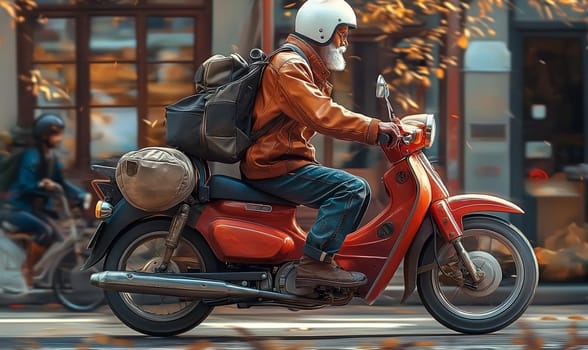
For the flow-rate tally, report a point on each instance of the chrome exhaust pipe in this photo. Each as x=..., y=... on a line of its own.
x=198, y=288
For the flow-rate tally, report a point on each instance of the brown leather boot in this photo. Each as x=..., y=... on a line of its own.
x=311, y=272
x=33, y=255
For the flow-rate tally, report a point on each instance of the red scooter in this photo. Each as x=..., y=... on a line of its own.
x=164, y=272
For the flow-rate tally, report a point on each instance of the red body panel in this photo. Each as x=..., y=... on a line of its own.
x=407, y=208
x=237, y=232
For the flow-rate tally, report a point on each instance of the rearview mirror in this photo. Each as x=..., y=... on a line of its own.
x=382, y=90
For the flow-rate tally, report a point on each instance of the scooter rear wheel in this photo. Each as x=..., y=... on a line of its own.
x=141, y=249
x=504, y=258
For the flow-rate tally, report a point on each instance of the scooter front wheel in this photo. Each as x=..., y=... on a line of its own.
x=72, y=287
x=141, y=249
x=508, y=274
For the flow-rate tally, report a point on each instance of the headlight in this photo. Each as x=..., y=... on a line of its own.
x=430, y=130
x=426, y=122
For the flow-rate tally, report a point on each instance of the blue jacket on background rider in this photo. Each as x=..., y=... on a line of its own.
x=283, y=160
x=30, y=196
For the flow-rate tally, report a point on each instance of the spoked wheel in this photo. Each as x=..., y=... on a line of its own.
x=72, y=286
x=509, y=274
x=140, y=250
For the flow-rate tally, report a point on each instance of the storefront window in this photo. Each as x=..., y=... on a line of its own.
x=555, y=168
x=112, y=76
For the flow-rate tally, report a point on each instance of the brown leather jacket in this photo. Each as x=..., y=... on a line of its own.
x=303, y=93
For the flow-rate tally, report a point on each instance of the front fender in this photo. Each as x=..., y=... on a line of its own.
x=124, y=216
x=460, y=206
x=465, y=204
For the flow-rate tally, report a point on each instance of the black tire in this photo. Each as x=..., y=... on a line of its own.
x=138, y=311
x=505, y=293
x=72, y=287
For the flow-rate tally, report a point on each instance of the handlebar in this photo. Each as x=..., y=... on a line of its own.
x=384, y=139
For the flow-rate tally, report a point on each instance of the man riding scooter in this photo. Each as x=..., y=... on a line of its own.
x=283, y=162
x=29, y=197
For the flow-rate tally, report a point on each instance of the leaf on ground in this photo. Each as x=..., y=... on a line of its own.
x=390, y=344
x=548, y=318
x=200, y=345
x=122, y=342
x=99, y=339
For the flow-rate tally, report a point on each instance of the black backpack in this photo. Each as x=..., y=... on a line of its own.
x=215, y=123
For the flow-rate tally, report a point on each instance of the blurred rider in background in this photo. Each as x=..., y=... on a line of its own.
x=30, y=196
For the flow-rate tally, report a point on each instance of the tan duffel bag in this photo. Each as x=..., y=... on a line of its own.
x=155, y=178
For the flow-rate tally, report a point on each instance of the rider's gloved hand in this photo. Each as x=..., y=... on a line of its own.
x=47, y=184
x=392, y=129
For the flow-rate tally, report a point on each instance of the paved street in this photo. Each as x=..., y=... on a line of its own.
x=350, y=327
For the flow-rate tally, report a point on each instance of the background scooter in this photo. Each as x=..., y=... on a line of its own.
x=58, y=271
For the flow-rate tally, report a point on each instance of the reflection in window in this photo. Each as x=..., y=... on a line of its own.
x=113, y=39
x=113, y=132
x=54, y=40
x=67, y=150
x=170, y=38
x=113, y=84
x=61, y=91
x=168, y=82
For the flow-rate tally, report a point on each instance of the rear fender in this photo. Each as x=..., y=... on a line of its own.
x=123, y=218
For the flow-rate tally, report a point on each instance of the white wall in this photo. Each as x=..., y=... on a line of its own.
x=232, y=25
x=8, y=76
x=486, y=89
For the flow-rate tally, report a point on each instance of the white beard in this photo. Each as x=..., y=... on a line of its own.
x=334, y=58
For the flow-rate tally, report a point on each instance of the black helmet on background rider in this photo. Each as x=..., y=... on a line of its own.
x=47, y=125
x=317, y=20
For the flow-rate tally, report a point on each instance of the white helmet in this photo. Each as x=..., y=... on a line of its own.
x=317, y=20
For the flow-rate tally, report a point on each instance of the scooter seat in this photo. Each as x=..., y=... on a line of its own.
x=226, y=187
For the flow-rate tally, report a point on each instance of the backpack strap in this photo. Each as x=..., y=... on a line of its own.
x=291, y=47
x=285, y=47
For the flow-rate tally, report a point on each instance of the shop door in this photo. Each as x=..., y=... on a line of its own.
x=554, y=152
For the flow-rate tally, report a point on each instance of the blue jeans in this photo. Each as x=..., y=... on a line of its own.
x=41, y=228
x=341, y=200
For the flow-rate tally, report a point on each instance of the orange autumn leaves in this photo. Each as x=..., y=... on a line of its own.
x=424, y=46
